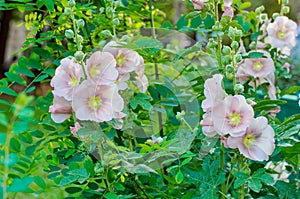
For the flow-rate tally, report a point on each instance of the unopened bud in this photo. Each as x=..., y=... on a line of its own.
x=69, y=33
x=102, y=9
x=238, y=88
x=79, y=39
x=259, y=10
x=285, y=9
x=79, y=55
x=116, y=21
x=275, y=15
x=229, y=76
x=211, y=43
x=285, y=2
x=80, y=23
x=68, y=11
x=71, y=3
x=229, y=69
x=263, y=16
x=252, y=45
x=109, y=11
x=226, y=50
x=106, y=33
x=235, y=45
x=238, y=58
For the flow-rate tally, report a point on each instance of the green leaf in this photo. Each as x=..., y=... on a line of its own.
x=40, y=182
x=245, y=5
x=2, y=138
x=290, y=119
x=23, y=70
x=290, y=90
x=179, y=177
x=15, y=78
x=73, y=190
x=8, y=91
x=261, y=105
x=20, y=127
x=49, y=4
x=67, y=180
x=192, y=15
x=29, y=62
x=255, y=55
x=21, y=185
x=186, y=161
x=254, y=184
x=241, y=179
x=43, y=53
x=3, y=119
x=41, y=78
x=79, y=172
x=111, y=195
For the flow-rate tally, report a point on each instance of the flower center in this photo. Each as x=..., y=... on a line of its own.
x=249, y=141
x=234, y=119
x=95, y=103
x=121, y=60
x=281, y=35
x=257, y=66
x=94, y=71
x=73, y=81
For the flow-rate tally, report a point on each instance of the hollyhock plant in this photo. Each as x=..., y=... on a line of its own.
x=258, y=141
x=213, y=92
x=101, y=68
x=282, y=33
x=232, y=115
x=60, y=110
x=97, y=102
x=67, y=78
x=199, y=4
x=126, y=60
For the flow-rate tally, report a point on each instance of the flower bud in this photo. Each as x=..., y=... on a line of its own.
x=264, y=16
x=285, y=9
x=106, y=33
x=116, y=21
x=238, y=88
x=275, y=15
x=259, y=10
x=229, y=76
x=80, y=23
x=79, y=55
x=71, y=3
x=238, y=58
x=235, y=45
x=109, y=11
x=69, y=33
x=102, y=9
x=226, y=50
x=125, y=38
x=79, y=39
x=211, y=43
x=229, y=69
x=285, y=2
x=252, y=45
x=68, y=11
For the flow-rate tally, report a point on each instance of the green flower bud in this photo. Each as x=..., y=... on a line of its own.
x=106, y=33
x=252, y=46
x=71, y=3
x=226, y=50
x=79, y=55
x=268, y=46
x=229, y=76
x=69, y=33
x=80, y=23
x=79, y=39
x=275, y=15
x=125, y=38
x=235, y=45
x=68, y=11
x=263, y=16
x=109, y=11
x=211, y=43
x=285, y=9
x=102, y=9
x=116, y=21
x=238, y=88
x=229, y=69
x=259, y=10
x=285, y=2
x=232, y=32
x=238, y=58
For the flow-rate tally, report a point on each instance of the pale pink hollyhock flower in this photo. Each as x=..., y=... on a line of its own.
x=232, y=116
x=155, y=140
x=101, y=68
x=273, y=112
x=228, y=11
x=60, y=110
x=280, y=168
x=121, y=81
x=227, y=2
x=97, y=102
x=76, y=128
x=282, y=33
x=66, y=79
x=199, y=4
x=258, y=67
x=213, y=92
x=142, y=83
x=127, y=60
x=207, y=125
x=258, y=141
x=224, y=141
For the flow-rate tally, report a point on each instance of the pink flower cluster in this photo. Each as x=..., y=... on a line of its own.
x=233, y=117
x=95, y=97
